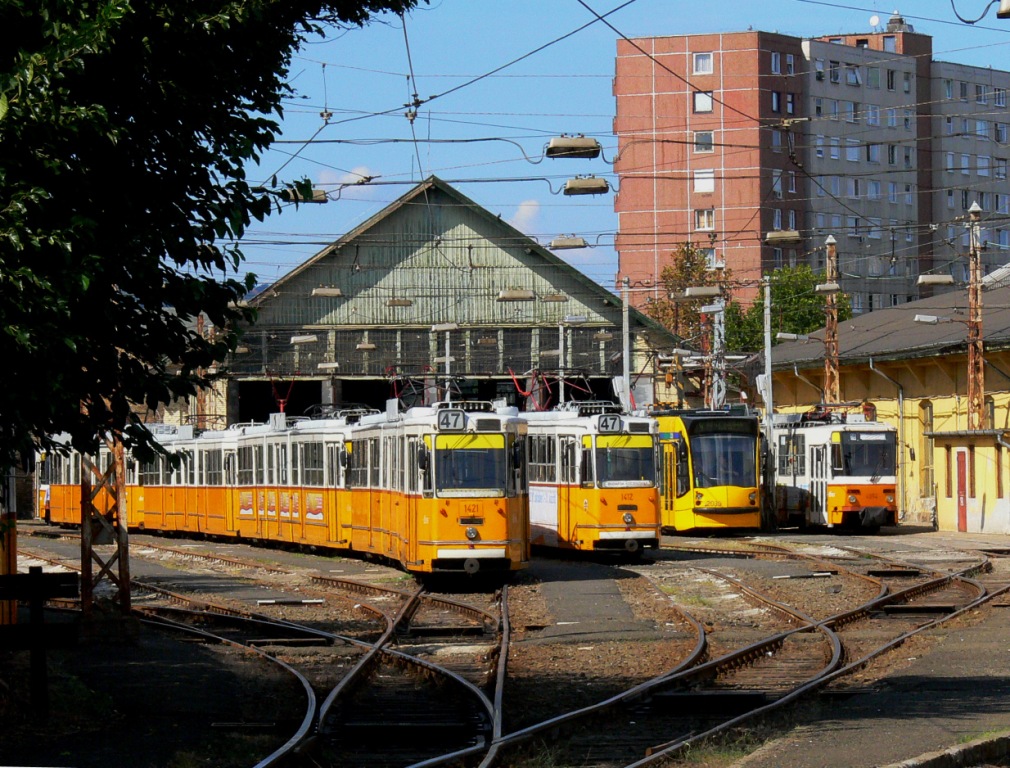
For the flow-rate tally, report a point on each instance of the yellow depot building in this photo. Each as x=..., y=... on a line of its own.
x=910, y=364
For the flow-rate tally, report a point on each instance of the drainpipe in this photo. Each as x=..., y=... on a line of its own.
x=901, y=433
x=805, y=380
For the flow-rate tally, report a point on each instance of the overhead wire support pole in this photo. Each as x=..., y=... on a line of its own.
x=832, y=392
x=976, y=373
x=626, y=342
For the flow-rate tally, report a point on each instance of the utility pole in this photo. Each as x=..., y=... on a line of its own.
x=831, y=384
x=976, y=376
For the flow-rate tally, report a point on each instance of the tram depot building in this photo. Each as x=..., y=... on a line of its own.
x=371, y=317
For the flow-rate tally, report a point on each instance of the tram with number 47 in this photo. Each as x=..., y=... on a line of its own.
x=436, y=489
x=592, y=478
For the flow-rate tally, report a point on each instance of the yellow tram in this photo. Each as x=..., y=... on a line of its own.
x=435, y=488
x=710, y=470
x=592, y=478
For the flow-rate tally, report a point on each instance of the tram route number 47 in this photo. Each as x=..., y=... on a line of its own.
x=451, y=420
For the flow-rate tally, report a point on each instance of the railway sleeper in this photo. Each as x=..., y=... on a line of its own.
x=913, y=609
x=711, y=702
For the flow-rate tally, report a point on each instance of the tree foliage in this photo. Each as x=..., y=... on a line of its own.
x=125, y=126
x=688, y=268
x=796, y=308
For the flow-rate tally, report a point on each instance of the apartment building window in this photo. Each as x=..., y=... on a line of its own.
x=950, y=126
x=892, y=154
x=821, y=220
x=908, y=157
x=948, y=88
x=703, y=64
x=965, y=128
x=999, y=97
x=852, y=225
x=853, y=186
x=835, y=185
x=790, y=64
x=909, y=238
x=890, y=43
x=873, y=153
x=703, y=101
x=963, y=90
x=790, y=103
x=873, y=229
x=776, y=218
x=872, y=114
x=852, y=75
x=833, y=104
x=851, y=111
x=704, y=219
x=890, y=79
x=1002, y=205
x=981, y=97
x=1004, y=237
x=982, y=129
x=835, y=148
x=776, y=140
x=834, y=72
x=792, y=181
x=819, y=69
x=776, y=63
x=983, y=203
x=892, y=117
x=982, y=167
x=852, y=150
x=999, y=167
x=999, y=133
x=792, y=219
x=704, y=141
x=873, y=190
x=906, y=82
x=819, y=186
x=965, y=200
x=776, y=101
x=777, y=184
x=892, y=192
x=908, y=119
x=909, y=194
x=873, y=77
x=965, y=165
x=819, y=146
x=950, y=162
x=704, y=181
x=818, y=106
x=950, y=198
x=777, y=258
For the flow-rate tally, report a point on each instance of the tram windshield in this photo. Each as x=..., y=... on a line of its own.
x=724, y=459
x=465, y=464
x=625, y=461
x=864, y=454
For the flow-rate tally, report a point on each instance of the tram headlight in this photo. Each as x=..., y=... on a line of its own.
x=471, y=533
x=752, y=497
x=853, y=499
x=890, y=499
x=628, y=518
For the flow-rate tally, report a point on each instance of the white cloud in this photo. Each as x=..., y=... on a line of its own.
x=526, y=215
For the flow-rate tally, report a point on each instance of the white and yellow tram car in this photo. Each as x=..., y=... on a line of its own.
x=592, y=478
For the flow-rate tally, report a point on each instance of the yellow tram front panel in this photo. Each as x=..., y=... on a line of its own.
x=854, y=499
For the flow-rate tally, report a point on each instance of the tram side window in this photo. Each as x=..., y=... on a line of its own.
x=282, y=465
x=792, y=455
x=542, y=462
x=150, y=472
x=312, y=464
x=245, y=465
x=213, y=467
x=258, y=464
x=189, y=467
x=373, y=464
x=132, y=470
x=295, y=466
x=683, y=468
x=357, y=464
x=411, y=468
x=271, y=465
x=568, y=460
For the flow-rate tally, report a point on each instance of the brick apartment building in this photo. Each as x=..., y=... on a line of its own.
x=757, y=146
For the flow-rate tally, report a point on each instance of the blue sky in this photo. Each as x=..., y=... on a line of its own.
x=461, y=52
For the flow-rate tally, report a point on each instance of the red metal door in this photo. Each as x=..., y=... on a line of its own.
x=962, y=493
